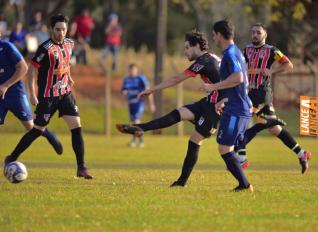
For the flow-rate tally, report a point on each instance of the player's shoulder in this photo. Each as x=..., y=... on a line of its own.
x=68, y=41
x=5, y=44
x=46, y=45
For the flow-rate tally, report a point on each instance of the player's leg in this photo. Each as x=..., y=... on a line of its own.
x=292, y=144
x=44, y=111
x=167, y=120
x=20, y=107
x=230, y=129
x=115, y=52
x=206, y=121
x=69, y=111
x=191, y=158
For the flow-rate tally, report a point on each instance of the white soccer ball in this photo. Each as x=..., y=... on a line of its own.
x=15, y=172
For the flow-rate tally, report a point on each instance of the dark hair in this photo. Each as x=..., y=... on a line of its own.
x=260, y=25
x=132, y=65
x=195, y=37
x=225, y=28
x=58, y=18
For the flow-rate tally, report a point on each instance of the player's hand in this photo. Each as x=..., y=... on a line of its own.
x=70, y=82
x=266, y=72
x=145, y=93
x=220, y=105
x=34, y=100
x=3, y=90
x=208, y=88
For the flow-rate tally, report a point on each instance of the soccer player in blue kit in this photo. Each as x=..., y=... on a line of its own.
x=236, y=111
x=134, y=84
x=13, y=95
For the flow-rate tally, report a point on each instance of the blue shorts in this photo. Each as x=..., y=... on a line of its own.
x=231, y=129
x=136, y=110
x=18, y=105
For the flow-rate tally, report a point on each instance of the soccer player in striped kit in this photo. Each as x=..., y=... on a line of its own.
x=51, y=64
x=260, y=58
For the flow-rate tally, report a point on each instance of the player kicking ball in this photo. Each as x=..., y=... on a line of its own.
x=202, y=113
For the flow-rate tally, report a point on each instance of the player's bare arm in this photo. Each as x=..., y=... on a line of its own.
x=21, y=69
x=172, y=81
x=233, y=80
x=32, y=74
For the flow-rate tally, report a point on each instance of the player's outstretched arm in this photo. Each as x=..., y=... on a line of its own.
x=233, y=80
x=172, y=81
x=32, y=73
x=21, y=69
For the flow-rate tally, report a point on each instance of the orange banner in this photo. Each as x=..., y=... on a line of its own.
x=308, y=116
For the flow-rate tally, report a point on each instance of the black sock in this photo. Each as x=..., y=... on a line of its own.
x=78, y=146
x=251, y=132
x=233, y=165
x=25, y=142
x=189, y=162
x=165, y=121
x=289, y=141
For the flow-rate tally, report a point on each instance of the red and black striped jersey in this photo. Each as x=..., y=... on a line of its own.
x=207, y=66
x=53, y=63
x=258, y=58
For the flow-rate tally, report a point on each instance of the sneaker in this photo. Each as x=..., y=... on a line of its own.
x=82, y=172
x=271, y=121
x=303, y=161
x=56, y=144
x=244, y=189
x=131, y=144
x=177, y=184
x=141, y=145
x=130, y=129
x=244, y=164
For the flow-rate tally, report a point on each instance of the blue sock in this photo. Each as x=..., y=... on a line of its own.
x=235, y=168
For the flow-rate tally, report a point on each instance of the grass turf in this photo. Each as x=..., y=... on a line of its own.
x=130, y=191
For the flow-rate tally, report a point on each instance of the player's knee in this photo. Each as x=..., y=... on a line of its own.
x=224, y=149
x=41, y=128
x=275, y=130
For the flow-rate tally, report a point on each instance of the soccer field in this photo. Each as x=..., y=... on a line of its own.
x=130, y=191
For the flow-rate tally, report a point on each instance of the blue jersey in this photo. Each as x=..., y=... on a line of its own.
x=9, y=57
x=238, y=103
x=133, y=86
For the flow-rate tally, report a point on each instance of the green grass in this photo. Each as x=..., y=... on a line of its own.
x=130, y=191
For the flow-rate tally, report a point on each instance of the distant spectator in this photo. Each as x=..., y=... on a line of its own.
x=43, y=34
x=85, y=25
x=3, y=25
x=79, y=52
x=113, y=32
x=17, y=37
x=37, y=21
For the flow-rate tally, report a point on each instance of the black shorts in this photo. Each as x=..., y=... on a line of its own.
x=205, y=117
x=262, y=99
x=46, y=108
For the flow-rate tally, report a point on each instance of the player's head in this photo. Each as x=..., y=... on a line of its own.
x=259, y=34
x=132, y=70
x=195, y=43
x=58, y=27
x=222, y=30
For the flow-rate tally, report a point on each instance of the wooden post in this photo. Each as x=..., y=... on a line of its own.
x=107, y=101
x=160, y=50
x=180, y=125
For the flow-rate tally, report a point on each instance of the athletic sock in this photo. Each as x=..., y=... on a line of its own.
x=165, y=121
x=78, y=146
x=233, y=165
x=290, y=142
x=189, y=162
x=251, y=132
x=141, y=139
x=25, y=142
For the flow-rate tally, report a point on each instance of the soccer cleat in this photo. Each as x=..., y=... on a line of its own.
x=56, y=144
x=177, y=184
x=141, y=145
x=82, y=172
x=131, y=144
x=244, y=189
x=8, y=160
x=303, y=161
x=273, y=121
x=130, y=129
